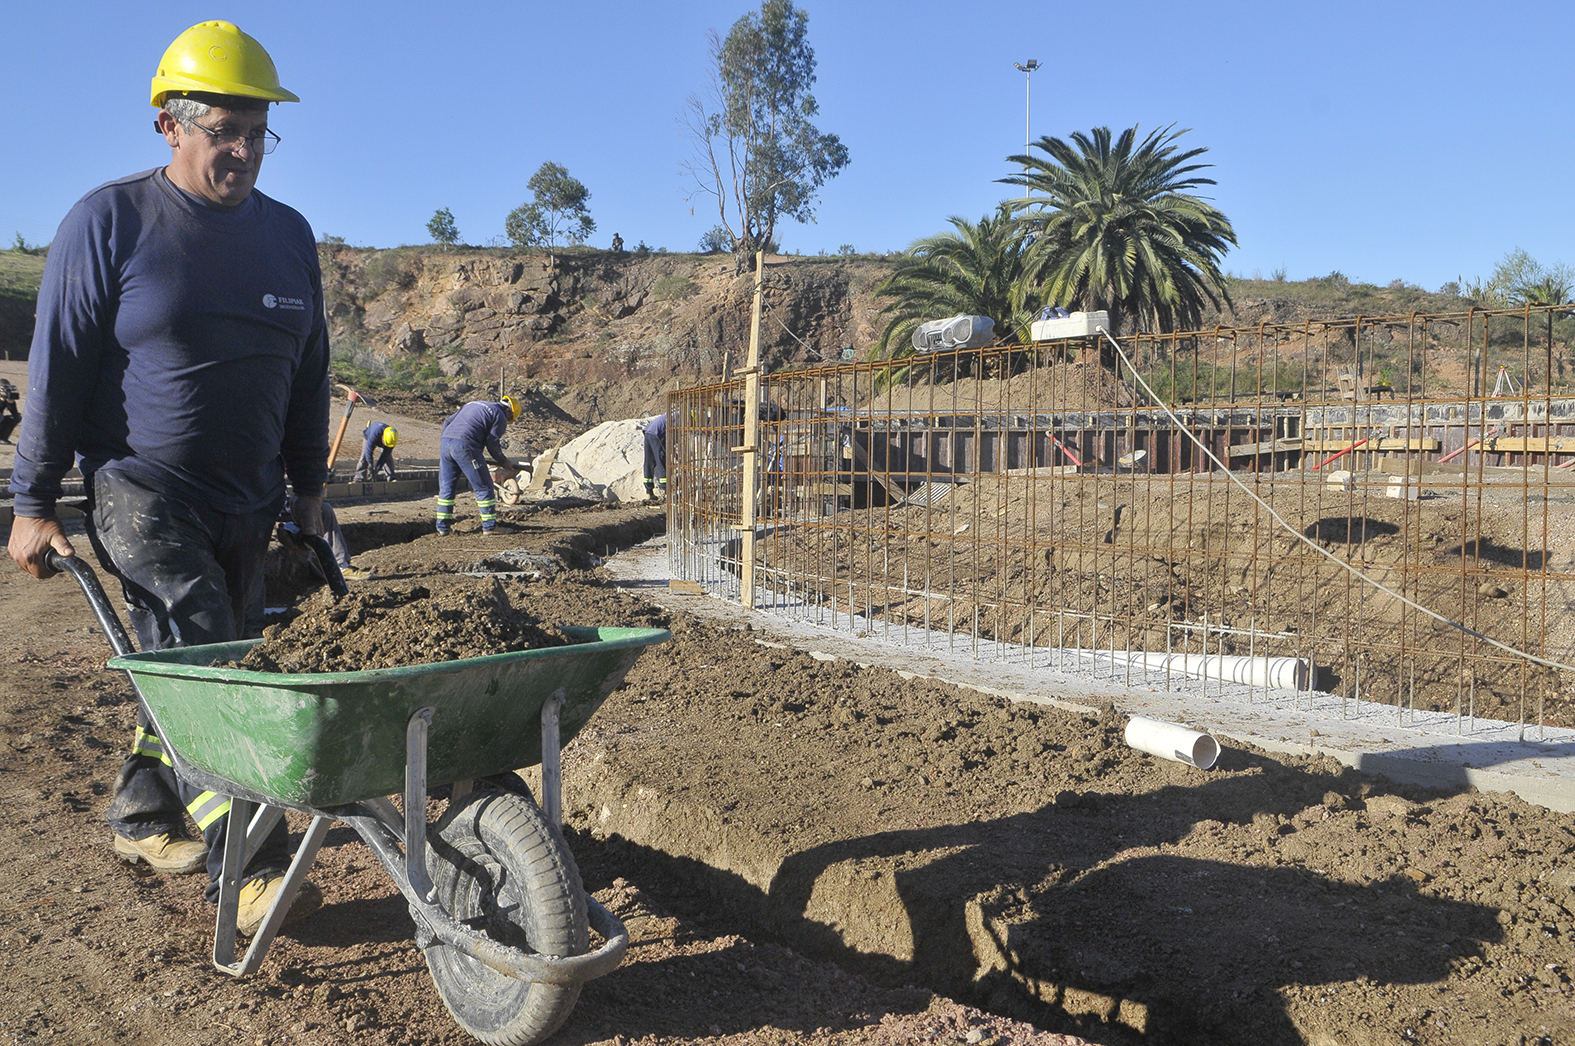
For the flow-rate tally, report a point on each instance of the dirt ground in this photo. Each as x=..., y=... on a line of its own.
x=1167, y=563
x=92, y=950
x=812, y=851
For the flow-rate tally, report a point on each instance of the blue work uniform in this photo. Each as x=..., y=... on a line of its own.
x=656, y=453
x=180, y=357
x=474, y=428
x=372, y=447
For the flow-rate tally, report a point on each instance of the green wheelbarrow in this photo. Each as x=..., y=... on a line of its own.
x=500, y=913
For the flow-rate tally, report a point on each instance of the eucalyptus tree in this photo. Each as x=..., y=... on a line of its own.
x=558, y=208
x=442, y=228
x=1115, y=225
x=756, y=151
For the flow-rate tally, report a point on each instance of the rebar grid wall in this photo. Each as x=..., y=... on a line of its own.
x=1037, y=500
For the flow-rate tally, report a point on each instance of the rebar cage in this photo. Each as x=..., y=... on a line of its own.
x=1069, y=500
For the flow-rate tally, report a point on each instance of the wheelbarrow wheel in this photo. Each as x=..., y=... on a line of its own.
x=501, y=870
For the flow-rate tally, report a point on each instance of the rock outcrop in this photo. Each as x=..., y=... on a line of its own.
x=582, y=316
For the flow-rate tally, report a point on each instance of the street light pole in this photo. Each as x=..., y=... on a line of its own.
x=1027, y=69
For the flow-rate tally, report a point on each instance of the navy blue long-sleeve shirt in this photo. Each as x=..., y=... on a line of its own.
x=181, y=343
x=372, y=439
x=480, y=424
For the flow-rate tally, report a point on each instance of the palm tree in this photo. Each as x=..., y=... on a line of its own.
x=975, y=270
x=1551, y=289
x=1115, y=227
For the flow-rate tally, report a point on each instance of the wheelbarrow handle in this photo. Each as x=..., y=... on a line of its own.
x=108, y=620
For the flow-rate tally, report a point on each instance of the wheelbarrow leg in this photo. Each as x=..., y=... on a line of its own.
x=238, y=846
x=416, y=805
x=552, y=760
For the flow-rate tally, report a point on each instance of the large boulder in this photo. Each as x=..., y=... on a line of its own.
x=610, y=457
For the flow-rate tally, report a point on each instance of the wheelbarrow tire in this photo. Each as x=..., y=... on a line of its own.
x=502, y=870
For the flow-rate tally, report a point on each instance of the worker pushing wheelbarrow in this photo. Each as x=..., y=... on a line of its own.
x=500, y=913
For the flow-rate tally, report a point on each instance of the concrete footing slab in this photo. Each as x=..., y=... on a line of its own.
x=1434, y=749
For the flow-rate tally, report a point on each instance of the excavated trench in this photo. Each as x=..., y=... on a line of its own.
x=1020, y=858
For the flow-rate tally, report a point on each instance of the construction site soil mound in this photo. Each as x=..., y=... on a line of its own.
x=394, y=624
x=814, y=851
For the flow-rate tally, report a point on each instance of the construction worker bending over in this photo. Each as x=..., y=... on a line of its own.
x=380, y=440
x=656, y=456
x=466, y=433
x=180, y=354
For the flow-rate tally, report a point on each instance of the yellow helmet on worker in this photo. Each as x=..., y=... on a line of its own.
x=390, y=437
x=217, y=58
x=511, y=405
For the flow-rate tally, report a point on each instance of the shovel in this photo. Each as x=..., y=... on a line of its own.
x=352, y=397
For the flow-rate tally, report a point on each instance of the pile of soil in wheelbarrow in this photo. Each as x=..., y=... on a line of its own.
x=393, y=624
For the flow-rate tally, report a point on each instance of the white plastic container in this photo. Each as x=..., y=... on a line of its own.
x=956, y=332
x=1172, y=741
x=1280, y=673
x=1077, y=325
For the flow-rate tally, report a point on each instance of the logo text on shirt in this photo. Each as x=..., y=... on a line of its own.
x=272, y=301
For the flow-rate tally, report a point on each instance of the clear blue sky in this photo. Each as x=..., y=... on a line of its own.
x=1418, y=141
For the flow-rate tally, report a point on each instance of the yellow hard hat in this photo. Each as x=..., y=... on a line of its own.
x=513, y=406
x=217, y=58
x=390, y=437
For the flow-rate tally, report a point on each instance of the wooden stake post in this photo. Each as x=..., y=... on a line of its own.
x=751, y=447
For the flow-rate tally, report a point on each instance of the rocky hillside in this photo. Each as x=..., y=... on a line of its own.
x=597, y=326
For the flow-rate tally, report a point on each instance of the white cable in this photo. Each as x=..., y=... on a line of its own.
x=1304, y=539
x=790, y=334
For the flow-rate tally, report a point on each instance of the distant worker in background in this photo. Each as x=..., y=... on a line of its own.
x=656, y=456
x=380, y=440
x=9, y=415
x=617, y=244
x=473, y=428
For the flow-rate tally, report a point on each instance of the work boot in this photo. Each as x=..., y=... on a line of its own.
x=163, y=852
x=444, y=531
x=355, y=573
x=259, y=893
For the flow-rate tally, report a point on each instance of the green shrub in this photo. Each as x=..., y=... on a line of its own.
x=386, y=270
x=674, y=287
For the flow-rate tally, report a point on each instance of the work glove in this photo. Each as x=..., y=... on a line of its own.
x=308, y=515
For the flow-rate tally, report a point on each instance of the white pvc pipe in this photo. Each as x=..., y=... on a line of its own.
x=1283, y=673
x=1172, y=741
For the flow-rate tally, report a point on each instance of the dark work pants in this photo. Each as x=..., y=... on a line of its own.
x=656, y=459
x=458, y=458
x=189, y=574
x=365, y=470
x=336, y=536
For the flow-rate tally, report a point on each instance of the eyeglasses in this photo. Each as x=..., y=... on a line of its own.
x=263, y=141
